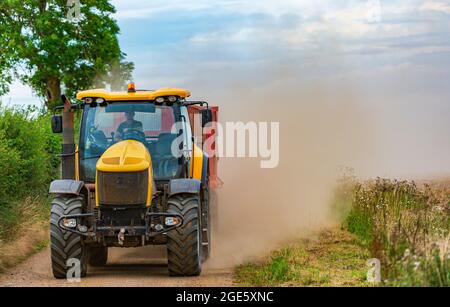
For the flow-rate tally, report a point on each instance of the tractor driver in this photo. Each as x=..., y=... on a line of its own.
x=128, y=125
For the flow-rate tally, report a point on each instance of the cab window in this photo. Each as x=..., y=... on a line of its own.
x=144, y=122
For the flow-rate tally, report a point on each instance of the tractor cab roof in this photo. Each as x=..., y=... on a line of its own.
x=132, y=94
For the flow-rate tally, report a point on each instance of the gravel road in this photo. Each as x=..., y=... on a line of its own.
x=136, y=267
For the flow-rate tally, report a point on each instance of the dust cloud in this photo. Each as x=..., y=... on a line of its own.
x=322, y=128
x=325, y=126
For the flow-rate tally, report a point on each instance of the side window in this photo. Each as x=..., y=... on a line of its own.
x=188, y=131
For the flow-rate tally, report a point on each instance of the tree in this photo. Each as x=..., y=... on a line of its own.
x=42, y=47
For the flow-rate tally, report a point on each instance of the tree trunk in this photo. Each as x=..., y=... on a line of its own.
x=53, y=93
x=42, y=6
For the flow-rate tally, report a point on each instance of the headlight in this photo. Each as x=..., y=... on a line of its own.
x=69, y=223
x=172, y=99
x=172, y=221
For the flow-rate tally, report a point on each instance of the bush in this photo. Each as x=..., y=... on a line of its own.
x=10, y=169
x=28, y=161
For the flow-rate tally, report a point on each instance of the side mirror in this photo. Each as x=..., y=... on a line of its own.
x=57, y=126
x=206, y=116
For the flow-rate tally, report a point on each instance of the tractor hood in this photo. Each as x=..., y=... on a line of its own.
x=125, y=156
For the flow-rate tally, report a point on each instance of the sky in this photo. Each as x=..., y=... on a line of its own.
x=321, y=39
x=395, y=55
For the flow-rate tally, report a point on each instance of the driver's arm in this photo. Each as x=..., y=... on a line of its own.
x=139, y=126
x=119, y=133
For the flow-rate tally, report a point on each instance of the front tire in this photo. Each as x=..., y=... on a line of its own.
x=66, y=245
x=184, y=243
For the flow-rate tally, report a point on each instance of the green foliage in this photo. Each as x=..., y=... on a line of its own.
x=360, y=224
x=10, y=218
x=275, y=271
x=9, y=168
x=278, y=268
x=42, y=245
x=430, y=270
x=47, y=51
x=28, y=162
x=407, y=228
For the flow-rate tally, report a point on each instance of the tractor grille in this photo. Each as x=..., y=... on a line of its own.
x=122, y=188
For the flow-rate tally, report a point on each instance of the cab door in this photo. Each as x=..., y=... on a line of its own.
x=202, y=135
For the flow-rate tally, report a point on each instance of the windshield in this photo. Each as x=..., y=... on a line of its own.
x=144, y=122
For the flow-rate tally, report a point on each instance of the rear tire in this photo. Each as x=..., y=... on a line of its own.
x=66, y=245
x=184, y=243
x=98, y=255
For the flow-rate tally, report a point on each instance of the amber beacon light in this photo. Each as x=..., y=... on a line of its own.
x=131, y=87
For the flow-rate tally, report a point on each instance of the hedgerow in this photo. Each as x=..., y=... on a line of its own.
x=28, y=162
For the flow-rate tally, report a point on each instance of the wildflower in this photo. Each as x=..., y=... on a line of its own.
x=407, y=253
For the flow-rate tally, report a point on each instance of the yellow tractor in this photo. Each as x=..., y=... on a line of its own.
x=136, y=177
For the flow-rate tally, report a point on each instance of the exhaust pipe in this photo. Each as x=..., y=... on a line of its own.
x=68, y=144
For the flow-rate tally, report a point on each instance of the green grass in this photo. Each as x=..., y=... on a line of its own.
x=23, y=230
x=18, y=213
x=360, y=224
x=405, y=226
x=333, y=259
x=10, y=218
x=41, y=245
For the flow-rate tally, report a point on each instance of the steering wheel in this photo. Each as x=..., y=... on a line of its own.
x=133, y=134
x=97, y=142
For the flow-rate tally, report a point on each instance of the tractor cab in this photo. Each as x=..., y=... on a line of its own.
x=136, y=177
x=109, y=118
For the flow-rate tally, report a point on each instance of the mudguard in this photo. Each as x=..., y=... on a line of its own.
x=72, y=187
x=190, y=186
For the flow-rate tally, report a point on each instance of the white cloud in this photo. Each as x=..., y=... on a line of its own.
x=436, y=6
x=318, y=20
x=19, y=90
x=20, y=94
x=127, y=9
x=138, y=9
x=351, y=21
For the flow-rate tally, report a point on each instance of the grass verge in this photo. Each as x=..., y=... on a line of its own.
x=406, y=226
x=403, y=224
x=23, y=230
x=333, y=258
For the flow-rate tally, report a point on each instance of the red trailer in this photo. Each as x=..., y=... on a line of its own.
x=207, y=133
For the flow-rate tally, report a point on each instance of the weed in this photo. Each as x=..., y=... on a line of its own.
x=402, y=225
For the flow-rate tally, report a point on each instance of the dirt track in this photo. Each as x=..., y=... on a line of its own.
x=126, y=267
